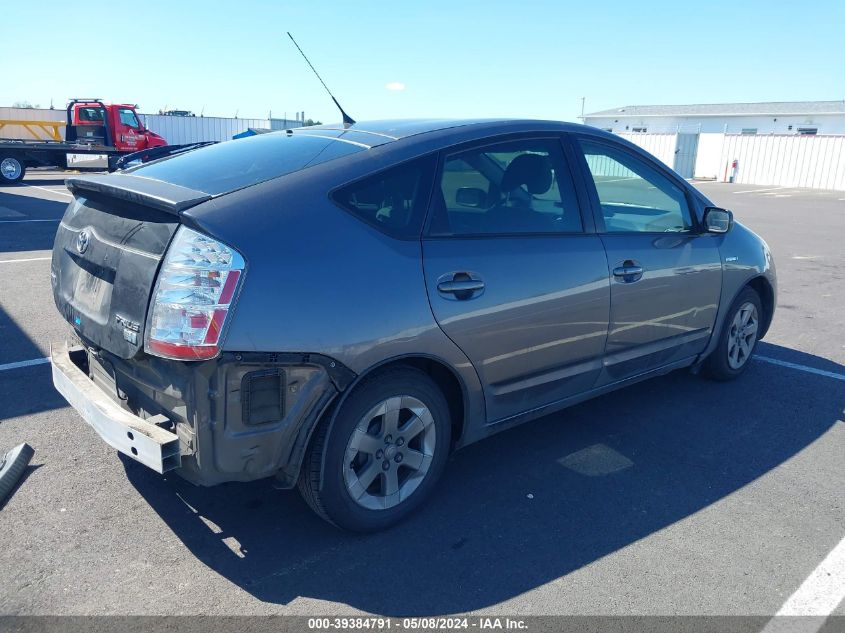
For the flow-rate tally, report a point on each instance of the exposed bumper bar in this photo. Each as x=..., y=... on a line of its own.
x=133, y=436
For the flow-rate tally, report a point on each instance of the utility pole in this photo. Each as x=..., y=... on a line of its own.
x=583, y=99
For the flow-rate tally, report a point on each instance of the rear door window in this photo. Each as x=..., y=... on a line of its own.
x=226, y=167
x=516, y=187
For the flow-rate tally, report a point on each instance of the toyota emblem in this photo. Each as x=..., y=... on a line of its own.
x=82, y=242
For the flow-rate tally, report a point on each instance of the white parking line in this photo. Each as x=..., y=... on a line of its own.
x=816, y=598
x=823, y=589
x=759, y=190
x=809, y=370
x=25, y=363
x=24, y=221
x=28, y=259
x=61, y=193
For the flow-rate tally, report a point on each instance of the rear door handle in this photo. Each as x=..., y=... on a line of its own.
x=627, y=271
x=452, y=287
x=460, y=286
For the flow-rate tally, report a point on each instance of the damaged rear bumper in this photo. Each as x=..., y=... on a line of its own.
x=239, y=417
x=133, y=436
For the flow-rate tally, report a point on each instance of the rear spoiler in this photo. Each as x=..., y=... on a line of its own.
x=163, y=196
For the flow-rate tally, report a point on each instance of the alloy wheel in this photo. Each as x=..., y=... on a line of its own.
x=389, y=452
x=742, y=335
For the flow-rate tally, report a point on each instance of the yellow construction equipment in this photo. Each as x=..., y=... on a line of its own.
x=36, y=128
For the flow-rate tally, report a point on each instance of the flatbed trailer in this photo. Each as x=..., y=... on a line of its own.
x=96, y=136
x=58, y=154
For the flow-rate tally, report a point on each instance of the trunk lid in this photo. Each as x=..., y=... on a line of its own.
x=108, y=249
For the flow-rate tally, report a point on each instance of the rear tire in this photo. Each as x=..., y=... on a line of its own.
x=382, y=456
x=12, y=169
x=738, y=339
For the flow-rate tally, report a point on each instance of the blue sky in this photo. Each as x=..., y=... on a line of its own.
x=455, y=58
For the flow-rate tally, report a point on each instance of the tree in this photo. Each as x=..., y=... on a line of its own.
x=24, y=104
x=312, y=122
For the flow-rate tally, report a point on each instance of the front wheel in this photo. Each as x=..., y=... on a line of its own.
x=738, y=339
x=382, y=456
x=12, y=170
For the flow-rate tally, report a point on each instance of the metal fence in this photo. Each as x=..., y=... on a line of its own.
x=660, y=145
x=180, y=129
x=787, y=160
x=816, y=162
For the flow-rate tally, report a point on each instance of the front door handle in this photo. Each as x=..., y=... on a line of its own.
x=629, y=272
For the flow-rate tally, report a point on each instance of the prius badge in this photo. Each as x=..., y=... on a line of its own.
x=131, y=329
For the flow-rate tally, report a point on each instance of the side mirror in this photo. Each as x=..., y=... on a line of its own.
x=718, y=220
x=470, y=197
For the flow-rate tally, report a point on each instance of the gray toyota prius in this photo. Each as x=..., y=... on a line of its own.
x=340, y=307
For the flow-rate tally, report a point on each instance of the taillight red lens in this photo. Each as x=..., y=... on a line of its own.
x=196, y=287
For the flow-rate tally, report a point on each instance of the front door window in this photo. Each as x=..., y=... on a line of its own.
x=634, y=197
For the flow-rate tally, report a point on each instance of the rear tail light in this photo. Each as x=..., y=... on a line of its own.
x=196, y=287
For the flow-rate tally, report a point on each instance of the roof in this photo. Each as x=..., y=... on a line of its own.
x=374, y=133
x=399, y=128
x=781, y=108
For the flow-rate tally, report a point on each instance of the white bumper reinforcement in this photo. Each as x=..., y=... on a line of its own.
x=135, y=437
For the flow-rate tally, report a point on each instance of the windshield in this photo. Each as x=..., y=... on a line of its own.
x=232, y=165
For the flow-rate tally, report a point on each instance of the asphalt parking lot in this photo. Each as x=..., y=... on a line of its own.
x=676, y=496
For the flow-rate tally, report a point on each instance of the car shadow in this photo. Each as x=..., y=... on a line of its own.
x=28, y=389
x=522, y=508
x=28, y=223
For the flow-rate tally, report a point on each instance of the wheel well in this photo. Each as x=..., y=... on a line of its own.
x=448, y=383
x=443, y=377
x=767, y=297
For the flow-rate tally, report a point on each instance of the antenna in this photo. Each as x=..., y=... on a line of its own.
x=347, y=120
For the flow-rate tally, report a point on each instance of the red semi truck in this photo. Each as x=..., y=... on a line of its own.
x=96, y=136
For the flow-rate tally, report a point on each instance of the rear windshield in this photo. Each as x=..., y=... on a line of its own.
x=225, y=167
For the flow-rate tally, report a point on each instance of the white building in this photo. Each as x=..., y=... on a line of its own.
x=795, y=143
x=783, y=117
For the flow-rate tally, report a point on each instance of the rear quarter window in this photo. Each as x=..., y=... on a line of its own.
x=226, y=167
x=394, y=200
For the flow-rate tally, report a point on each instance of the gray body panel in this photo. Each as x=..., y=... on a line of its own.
x=537, y=333
x=669, y=313
x=746, y=258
